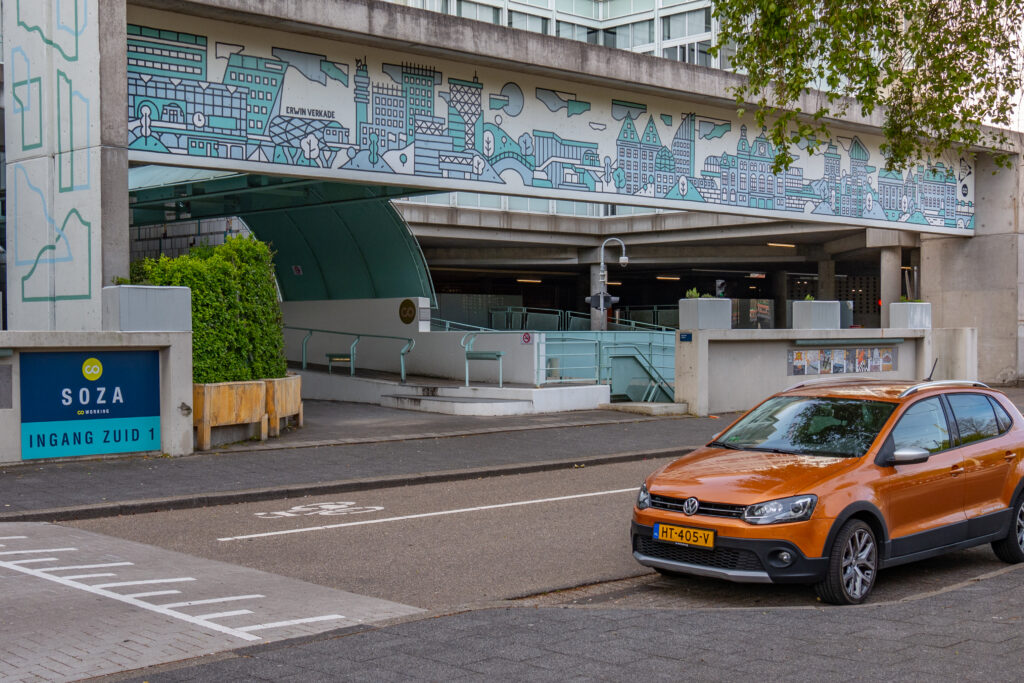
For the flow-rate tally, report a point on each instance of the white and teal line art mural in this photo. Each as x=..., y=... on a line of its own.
x=375, y=116
x=50, y=63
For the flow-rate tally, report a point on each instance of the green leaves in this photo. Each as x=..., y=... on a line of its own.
x=236, y=320
x=937, y=71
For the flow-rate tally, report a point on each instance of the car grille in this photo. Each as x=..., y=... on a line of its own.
x=705, y=508
x=720, y=558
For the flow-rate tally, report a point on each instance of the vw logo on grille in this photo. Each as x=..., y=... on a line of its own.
x=690, y=506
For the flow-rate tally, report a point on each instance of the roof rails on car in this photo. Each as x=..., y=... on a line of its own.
x=828, y=380
x=944, y=383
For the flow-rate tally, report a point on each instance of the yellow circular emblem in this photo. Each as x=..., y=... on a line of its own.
x=92, y=369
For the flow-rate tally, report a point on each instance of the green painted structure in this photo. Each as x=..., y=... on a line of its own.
x=332, y=240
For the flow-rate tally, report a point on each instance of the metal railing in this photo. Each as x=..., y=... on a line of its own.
x=441, y=325
x=409, y=344
x=578, y=357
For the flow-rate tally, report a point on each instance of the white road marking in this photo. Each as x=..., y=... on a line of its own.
x=151, y=594
x=95, y=590
x=143, y=583
x=33, y=552
x=87, y=566
x=424, y=514
x=220, y=615
x=35, y=561
x=211, y=601
x=88, y=576
x=12, y=538
x=293, y=622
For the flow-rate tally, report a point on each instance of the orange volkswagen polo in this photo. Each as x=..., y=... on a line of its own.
x=829, y=481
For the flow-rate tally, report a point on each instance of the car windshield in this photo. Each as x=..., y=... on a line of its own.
x=809, y=425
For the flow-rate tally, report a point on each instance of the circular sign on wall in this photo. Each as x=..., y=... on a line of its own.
x=527, y=338
x=407, y=311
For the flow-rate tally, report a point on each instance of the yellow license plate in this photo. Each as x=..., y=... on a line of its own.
x=702, y=538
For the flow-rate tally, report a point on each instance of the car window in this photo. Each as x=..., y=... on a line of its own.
x=1003, y=418
x=975, y=418
x=810, y=425
x=922, y=426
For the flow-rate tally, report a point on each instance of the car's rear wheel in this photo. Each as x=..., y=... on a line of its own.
x=852, y=565
x=1011, y=548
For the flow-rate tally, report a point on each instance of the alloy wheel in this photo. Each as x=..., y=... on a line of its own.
x=859, y=561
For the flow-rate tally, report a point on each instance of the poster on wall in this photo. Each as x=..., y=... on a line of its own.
x=89, y=403
x=841, y=361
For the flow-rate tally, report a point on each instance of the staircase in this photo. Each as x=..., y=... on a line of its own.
x=449, y=397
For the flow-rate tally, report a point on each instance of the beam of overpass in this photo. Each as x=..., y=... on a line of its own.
x=374, y=93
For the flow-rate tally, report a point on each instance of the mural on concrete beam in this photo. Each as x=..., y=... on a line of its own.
x=50, y=57
x=452, y=130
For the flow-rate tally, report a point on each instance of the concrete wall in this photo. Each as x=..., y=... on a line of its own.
x=175, y=353
x=732, y=370
x=436, y=354
x=979, y=282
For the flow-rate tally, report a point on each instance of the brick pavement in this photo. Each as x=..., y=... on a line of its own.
x=971, y=632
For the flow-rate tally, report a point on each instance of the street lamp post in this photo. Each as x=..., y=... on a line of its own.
x=601, y=298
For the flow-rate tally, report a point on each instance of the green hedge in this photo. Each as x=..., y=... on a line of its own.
x=236, y=319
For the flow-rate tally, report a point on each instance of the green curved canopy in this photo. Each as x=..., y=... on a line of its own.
x=332, y=240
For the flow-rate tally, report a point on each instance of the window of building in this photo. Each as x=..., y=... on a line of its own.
x=474, y=10
x=686, y=24
x=691, y=53
x=527, y=22
x=630, y=35
x=584, y=34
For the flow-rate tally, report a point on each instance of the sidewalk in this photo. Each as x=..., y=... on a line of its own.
x=344, y=447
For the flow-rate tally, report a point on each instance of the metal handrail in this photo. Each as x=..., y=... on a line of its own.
x=647, y=364
x=409, y=345
x=453, y=326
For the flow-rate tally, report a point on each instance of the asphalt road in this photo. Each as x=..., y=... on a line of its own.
x=535, y=537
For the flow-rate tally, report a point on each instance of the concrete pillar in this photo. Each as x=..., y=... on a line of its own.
x=826, y=280
x=67, y=163
x=779, y=293
x=889, y=274
x=598, y=319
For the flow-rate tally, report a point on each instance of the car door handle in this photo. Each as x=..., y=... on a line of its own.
x=956, y=470
x=1010, y=456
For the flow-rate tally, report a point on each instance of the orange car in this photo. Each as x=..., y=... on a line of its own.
x=829, y=481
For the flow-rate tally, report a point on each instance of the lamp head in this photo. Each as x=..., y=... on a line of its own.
x=623, y=260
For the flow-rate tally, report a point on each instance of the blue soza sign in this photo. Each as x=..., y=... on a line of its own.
x=89, y=403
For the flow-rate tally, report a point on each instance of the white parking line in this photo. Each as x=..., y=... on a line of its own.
x=35, y=561
x=211, y=601
x=88, y=576
x=424, y=514
x=33, y=552
x=96, y=590
x=87, y=566
x=221, y=615
x=145, y=582
x=151, y=594
x=12, y=538
x=293, y=622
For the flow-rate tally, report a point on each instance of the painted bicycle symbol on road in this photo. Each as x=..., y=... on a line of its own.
x=326, y=509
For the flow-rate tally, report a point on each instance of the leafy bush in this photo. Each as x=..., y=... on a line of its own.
x=236, y=320
x=692, y=293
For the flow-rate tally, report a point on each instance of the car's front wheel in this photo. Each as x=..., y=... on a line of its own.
x=852, y=565
x=1011, y=548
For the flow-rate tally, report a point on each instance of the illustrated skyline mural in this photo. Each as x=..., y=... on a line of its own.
x=367, y=119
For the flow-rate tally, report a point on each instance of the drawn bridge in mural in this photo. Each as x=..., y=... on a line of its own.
x=385, y=120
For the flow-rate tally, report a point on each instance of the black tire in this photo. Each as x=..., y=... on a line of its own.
x=852, y=565
x=1011, y=548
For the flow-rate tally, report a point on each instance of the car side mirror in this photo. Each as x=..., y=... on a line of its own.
x=909, y=455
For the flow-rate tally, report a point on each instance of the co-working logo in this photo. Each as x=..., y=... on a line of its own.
x=92, y=369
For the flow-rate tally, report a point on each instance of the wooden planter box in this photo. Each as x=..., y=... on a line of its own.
x=284, y=400
x=228, y=403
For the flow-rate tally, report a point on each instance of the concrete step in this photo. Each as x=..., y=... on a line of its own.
x=452, y=405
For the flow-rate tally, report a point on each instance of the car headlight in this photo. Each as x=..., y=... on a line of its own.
x=793, y=509
x=643, y=498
